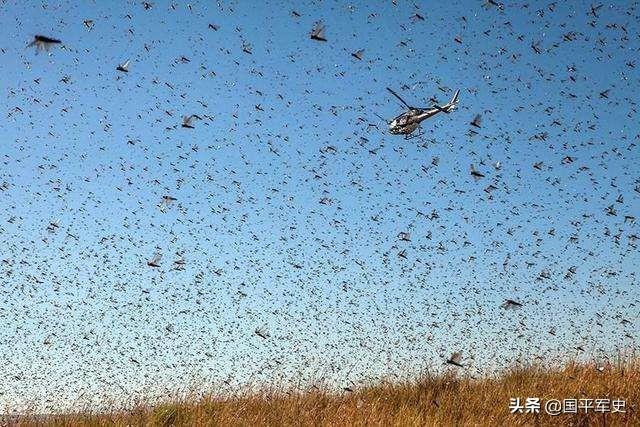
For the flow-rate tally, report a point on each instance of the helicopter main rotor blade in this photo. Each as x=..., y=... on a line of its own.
x=382, y=118
x=401, y=100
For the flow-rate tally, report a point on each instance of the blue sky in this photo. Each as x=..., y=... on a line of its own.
x=84, y=317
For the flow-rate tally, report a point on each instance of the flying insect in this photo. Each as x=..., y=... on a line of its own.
x=43, y=42
x=124, y=67
x=407, y=122
x=455, y=359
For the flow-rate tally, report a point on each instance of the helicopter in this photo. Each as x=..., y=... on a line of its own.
x=407, y=122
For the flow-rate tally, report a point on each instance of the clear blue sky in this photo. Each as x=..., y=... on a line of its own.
x=82, y=316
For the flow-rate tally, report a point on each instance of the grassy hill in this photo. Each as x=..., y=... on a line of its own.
x=449, y=399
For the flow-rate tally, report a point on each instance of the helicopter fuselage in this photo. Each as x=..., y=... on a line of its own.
x=409, y=121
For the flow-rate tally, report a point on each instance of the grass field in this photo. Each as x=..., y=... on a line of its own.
x=448, y=399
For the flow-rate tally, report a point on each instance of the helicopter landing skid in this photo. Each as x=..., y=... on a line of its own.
x=418, y=135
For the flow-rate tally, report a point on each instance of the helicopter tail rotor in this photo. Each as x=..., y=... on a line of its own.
x=451, y=105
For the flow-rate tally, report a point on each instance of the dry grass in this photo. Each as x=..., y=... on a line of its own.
x=433, y=401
